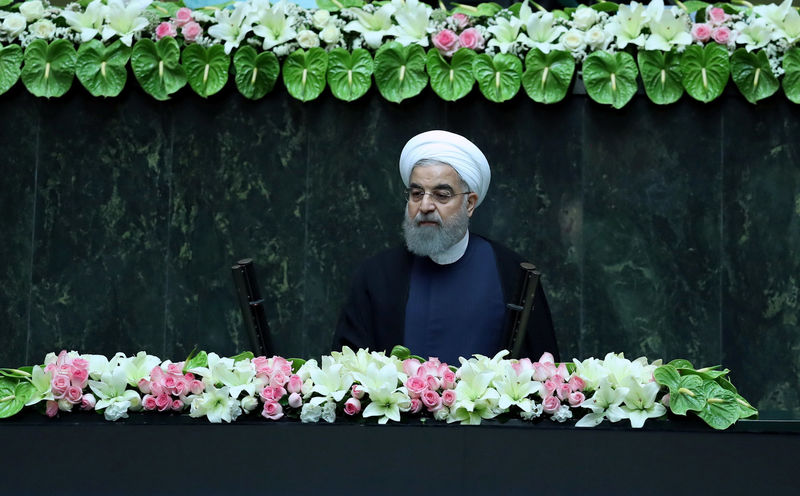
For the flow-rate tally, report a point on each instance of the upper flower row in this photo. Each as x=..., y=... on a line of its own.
x=283, y=27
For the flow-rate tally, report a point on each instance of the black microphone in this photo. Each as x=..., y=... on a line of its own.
x=523, y=307
x=252, y=306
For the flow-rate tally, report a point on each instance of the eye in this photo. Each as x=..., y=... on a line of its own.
x=416, y=194
x=442, y=195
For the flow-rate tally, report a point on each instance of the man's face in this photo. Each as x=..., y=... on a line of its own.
x=431, y=225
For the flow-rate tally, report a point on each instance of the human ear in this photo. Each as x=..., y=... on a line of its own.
x=472, y=201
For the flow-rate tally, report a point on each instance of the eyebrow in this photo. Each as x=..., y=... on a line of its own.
x=438, y=186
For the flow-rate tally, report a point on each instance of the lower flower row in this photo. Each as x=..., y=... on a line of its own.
x=374, y=386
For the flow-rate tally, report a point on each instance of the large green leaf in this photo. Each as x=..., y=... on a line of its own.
x=349, y=74
x=256, y=73
x=400, y=71
x=198, y=360
x=606, y=7
x=304, y=73
x=661, y=75
x=610, y=78
x=157, y=67
x=681, y=363
x=487, y=9
x=337, y=5
x=705, y=71
x=547, y=75
x=753, y=75
x=694, y=6
x=165, y=9
x=498, y=78
x=791, y=77
x=14, y=393
x=10, y=62
x=100, y=69
x=668, y=376
x=686, y=395
x=451, y=80
x=746, y=410
x=721, y=409
x=49, y=69
x=206, y=68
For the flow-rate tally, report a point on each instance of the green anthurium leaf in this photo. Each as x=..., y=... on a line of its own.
x=10, y=62
x=488, y=9
x=164, y=9
x=49, y=69
x=3, y=3
x=705, y=71
x=337, y=5
x=400, y=71
x=451, y=80
x=304, y=73
x=198, y=360
x=687, y=395
x=14, y=393
x=746, y=410
x=100, y=69
x=498, y=78
x=206, y=68
x=694, y=6
x=547, y=75
x=726, y=384
x=245, y=355
x=256, y=73
x=400, y=352
x=157, y=67
x=681, y=363
x=610, y=78
x=349, y=74
x=605, y=7
x=296, y=364
x=661, y=75
x=706, y=373
x=753, y=75
x=721, y=409
x=791, y=77
x=668, y=376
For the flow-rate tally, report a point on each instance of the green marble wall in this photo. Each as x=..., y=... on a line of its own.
x=666, y=231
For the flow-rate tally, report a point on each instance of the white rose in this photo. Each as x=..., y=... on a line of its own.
x=320, y=18
x=307, y=39
x=310, y=413
x=14, y=24
x=596, y=38
x=32, y=10
x=249, y=404
x=331, y=35
x=43, y=28
x=584, y=17
x=572, y=40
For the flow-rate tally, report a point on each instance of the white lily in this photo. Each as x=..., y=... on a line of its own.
x=476, y=399
x=113, y=395
x=783, y=18
x=216, y=404
x=640, y=402
x=88, y=23
x=139, y=367
x=331, y=380
x=240, y=377
x=374, y=27
x=124, y=19
x=791, y=26
x=386, y=398
x=591, y=371
x=542, y=33
x=41, y=384
x=626, y=26
x=99, y=364
x=755, y=35
x=669, y=29
x=214, y=363
x=515, y=389
x=774, y=14
x=506, y=33
x=232, y=25
x=272, y=24
x=605, y=403
x=413, y=24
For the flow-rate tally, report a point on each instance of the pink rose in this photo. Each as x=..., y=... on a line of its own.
x=295, y=400
x=576, y=398
x=352, y=406
x=175, y=368
x=563, y=391
x=79, y=377
x=149, y=402
x=272, y=410
x=448, y=397
x=177, y=405
x=701, y=32
x=88, y=401
x=357, y=391
x=562, y=371
x=190, y=32
x=446, y=41
x=282, y=364
x=272, y=393
x=410, y=366
x=144, y=385
x=471, y=38
x=551, y=404
x=416, y=405
x=188, y=376
x=431, y=400
x=576, y=383
x=183, y=16
x=262, y=364
x=295, y=384
x=433, y=382
x=448, y=379
x=717, y=16
x=549, y=387
x=665, y=400
x=168, y=383
x=52, y=408
x=196, y=387
x=156, y=388
x=180, y=388
x=165, y=29
x=278, y=379
x=721, y=35
x=416, y=385
x=73, y=394
x=163, y=402
x=462, y=20
x=547, y=357
x=81, y=363
x=59, y=385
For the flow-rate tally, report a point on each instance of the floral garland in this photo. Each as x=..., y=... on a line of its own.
x=345, y=44
x=372, y=385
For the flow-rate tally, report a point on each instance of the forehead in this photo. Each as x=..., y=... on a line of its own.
x=433, y=175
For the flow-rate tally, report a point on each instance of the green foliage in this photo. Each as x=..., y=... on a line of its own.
x=487, y=9
x=547, y=76
x=206, y=68
x=100, y=69
x=349, y=74
x=49, y=69
x=753, y=75
x=498, y=78
x=791, y=77
x=400, y=71
x=10, y=62
x=705, y=71
x=164, y=10
x=157, y=67
x=451, y=80
x=610, y=78
x=337, y=5
x=304, y=73
x=661, y=75
x=694, y=6
x=256, y=73
x=605, y=7
x=194, y=361
x=245, y=355
x=400, y=352
x=14, y=393
x=296, y=364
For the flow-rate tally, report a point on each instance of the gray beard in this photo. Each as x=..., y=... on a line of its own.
x=432, y=240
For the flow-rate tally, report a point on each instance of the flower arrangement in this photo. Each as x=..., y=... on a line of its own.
x=374, y=386
x=694, y=48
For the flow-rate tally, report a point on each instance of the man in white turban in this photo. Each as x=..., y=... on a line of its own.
x=444, y=293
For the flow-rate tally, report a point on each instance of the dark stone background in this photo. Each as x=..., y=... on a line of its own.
x=664, y=231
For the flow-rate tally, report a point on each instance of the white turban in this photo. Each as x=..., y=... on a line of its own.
x=452, y=149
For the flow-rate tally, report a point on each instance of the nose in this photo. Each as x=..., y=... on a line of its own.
x=427, y=204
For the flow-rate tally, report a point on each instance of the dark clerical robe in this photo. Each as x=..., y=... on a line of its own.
x=374, y=315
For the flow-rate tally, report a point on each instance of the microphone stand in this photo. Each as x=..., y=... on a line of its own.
x=523, y=307
x=252, y=306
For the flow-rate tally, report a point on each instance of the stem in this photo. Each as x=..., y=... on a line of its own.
x=7, y=398
x=19, y=372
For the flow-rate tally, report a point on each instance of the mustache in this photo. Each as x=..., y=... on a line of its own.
x=429, y=217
